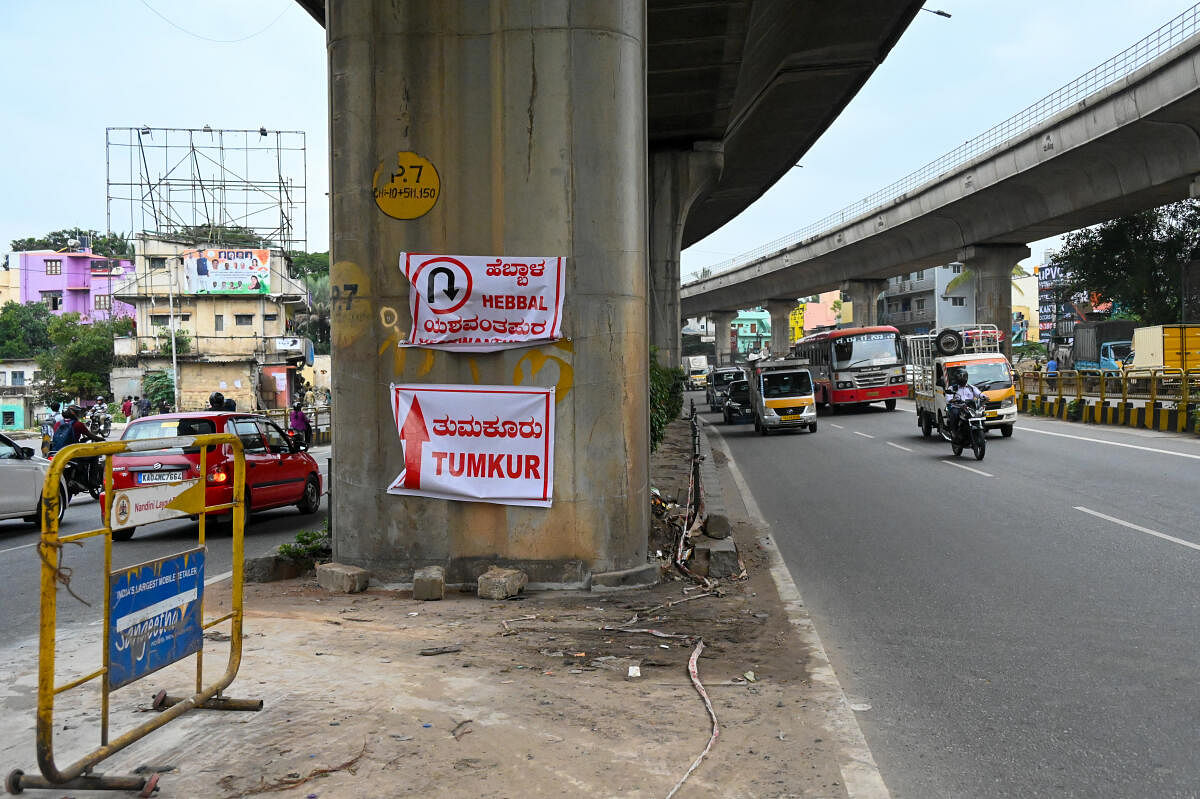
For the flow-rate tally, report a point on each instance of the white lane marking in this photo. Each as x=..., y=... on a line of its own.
x=1139, y=528
x=897, y=446
x=864, y=435
x=838, y=426
x=216, y=578
x=968, y=468
x=14, y=549
x=860, y=774
x=1112, y=443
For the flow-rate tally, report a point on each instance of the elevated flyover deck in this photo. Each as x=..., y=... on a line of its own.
x=1129, y=144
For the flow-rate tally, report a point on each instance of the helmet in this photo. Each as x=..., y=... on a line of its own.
x=296, y=405
x=216, y=400
x=961, y=377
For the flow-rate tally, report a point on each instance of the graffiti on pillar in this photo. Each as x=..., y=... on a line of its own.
x=350, y=303
x=533, y=362
x=408, y=187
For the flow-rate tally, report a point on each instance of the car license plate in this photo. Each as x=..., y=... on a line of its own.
x=992, y=414
x=159, y=477
x=791, y=417
x=872, y=393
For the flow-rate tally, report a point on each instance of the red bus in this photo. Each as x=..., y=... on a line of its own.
x=855, y=365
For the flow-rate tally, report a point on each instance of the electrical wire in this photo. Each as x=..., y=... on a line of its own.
x=175, y=25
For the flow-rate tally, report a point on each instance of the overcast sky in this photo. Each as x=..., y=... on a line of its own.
x=75, y=68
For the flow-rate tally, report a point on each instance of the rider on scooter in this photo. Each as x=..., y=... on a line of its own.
x=963, y=392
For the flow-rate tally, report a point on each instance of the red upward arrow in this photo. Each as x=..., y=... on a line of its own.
x=413, y=434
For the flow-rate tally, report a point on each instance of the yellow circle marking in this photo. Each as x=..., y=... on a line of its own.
x=408, y=187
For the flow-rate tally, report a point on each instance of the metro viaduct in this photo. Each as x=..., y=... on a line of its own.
x=612, y=132
x=1128, y=147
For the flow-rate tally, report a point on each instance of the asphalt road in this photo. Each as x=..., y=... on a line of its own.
x=20, y=570
x=1022, y=626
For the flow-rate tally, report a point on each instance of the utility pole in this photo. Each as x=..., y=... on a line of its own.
x=171, y=311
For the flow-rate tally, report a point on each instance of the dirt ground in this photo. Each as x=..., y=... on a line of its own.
x=537, y=700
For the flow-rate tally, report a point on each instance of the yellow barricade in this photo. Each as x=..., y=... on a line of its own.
x=186, y=605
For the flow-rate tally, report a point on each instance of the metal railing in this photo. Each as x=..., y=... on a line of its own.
x=1124, y=63
x=1169, y=386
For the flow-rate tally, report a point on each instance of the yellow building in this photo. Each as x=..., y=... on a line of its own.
x=230, y=306
x=10, y=285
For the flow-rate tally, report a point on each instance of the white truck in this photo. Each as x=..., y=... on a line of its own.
x=695, y=370
x=936, y=358
x=781, y=394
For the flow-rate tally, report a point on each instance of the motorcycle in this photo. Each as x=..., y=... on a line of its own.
x=84, y=476
x=969, y=430
x=99, y=421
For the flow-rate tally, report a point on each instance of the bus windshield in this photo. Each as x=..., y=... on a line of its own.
x=867, y=349
x=788, y=384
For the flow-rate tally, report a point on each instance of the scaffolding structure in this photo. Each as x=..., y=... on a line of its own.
x=207, y=185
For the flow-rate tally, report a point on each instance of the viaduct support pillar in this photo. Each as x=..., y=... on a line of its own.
x=534, y=115
x=781, y=329
x=862, y=294
x=992, y=265
x=722, y=321
x=677, y=179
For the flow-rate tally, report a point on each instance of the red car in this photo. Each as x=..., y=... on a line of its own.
x=278, y=470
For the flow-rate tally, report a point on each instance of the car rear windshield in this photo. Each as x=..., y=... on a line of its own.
x=168, y=428
x=725, y=378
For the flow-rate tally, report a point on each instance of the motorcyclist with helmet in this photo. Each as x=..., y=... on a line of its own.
x=963, y=392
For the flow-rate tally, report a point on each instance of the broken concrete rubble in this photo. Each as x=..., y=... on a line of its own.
x=500, y=583
x=341, y=578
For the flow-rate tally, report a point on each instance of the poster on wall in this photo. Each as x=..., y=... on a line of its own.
x=483, y=303
x=217, y=271
x=476, y=443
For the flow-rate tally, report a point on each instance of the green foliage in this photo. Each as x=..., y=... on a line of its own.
x=24, y=330
x=314, y=322
x=310, y=546
x=666, y=398
x=231, y=235
x=309, y=264
x=1029, y=350
x=80, y=357
x=1135, y=261
x=110, y=245
x=183, y=341
x=159, y=388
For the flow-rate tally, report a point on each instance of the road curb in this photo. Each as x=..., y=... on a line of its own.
x=860, y=774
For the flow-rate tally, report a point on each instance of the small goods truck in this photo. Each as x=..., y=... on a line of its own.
x=936, y=358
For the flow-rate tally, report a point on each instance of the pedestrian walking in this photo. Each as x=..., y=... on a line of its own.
x=127, y=406
x=299, y=422
x=144, y=406
x=135, y=408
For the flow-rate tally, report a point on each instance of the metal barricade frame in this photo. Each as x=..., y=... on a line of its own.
x=78, y=774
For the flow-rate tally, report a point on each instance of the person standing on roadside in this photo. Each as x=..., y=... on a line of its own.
x=127, y=407
x=299, y=422
x=144, y=406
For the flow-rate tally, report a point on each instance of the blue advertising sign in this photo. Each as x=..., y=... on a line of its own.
x=154, y=617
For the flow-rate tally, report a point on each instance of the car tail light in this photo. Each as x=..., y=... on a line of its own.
x=218, y=475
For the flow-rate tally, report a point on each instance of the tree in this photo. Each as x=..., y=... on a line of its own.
x=80, y=357
x=24, y=329
x=159, y=388
x=314, y=323
x=110, y=245
x=1135, y=261
x=309, y=264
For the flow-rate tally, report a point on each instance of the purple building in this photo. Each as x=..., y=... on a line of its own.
x=78, y=282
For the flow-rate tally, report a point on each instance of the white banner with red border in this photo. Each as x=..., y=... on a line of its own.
x=483, y=303
x=476, y=443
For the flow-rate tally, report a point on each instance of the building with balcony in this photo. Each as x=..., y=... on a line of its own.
x=231, y=309
x=17, y=403
x=920, y=302
x=67, y=282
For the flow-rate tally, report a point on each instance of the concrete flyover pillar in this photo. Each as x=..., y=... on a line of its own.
x=677, y=179
x=534, y=115
x=992, y=267
x=863, y=294
x=781, y=329
x=722, y=322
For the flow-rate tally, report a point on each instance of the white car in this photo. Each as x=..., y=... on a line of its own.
x=22, y=474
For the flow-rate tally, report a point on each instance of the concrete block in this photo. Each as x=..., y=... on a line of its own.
x=498, y=583
x=269, y=568
x=638, y=577
x=341, y=578
x=716, y=559
x=718, y=526
x=429, y=583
